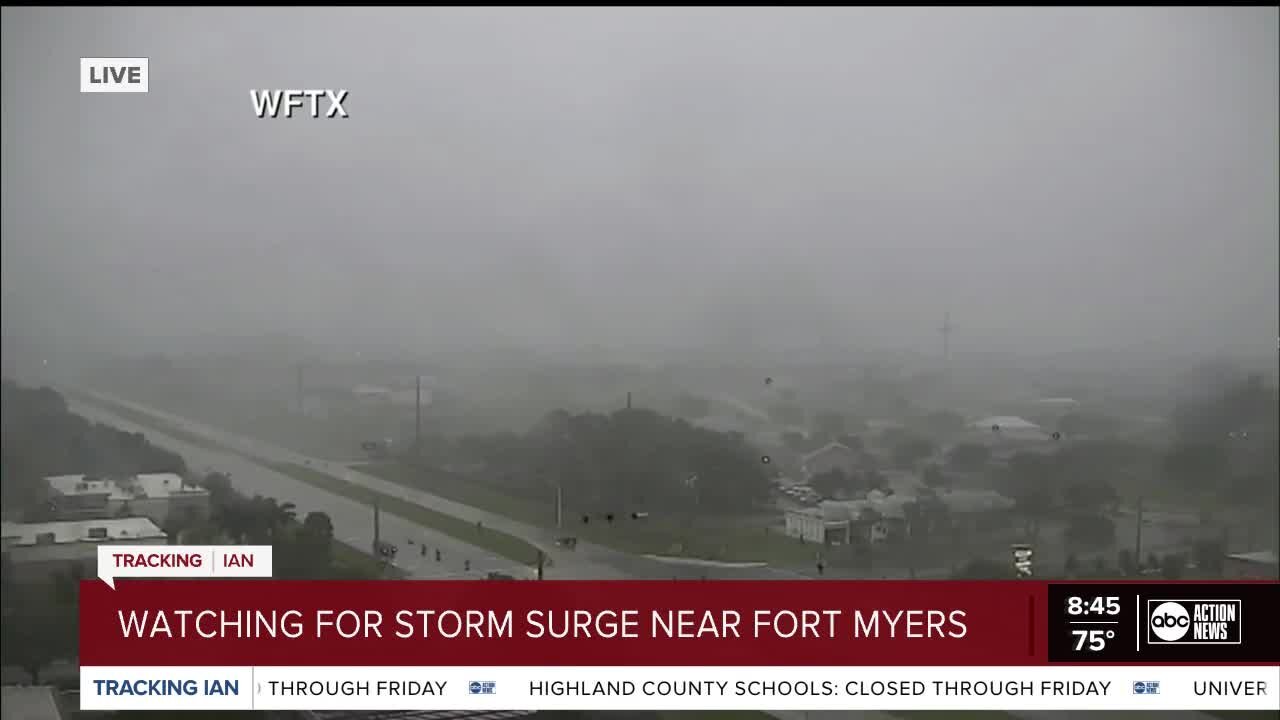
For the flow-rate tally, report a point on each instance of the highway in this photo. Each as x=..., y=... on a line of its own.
x=353, y=523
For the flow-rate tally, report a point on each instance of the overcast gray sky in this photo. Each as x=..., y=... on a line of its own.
x=1057, y=179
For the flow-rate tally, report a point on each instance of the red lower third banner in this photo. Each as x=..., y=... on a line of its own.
x=242, y=623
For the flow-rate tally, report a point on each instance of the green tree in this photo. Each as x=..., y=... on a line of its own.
x=853, y=442
x=828, y=425
x=787, y=413
x=1210, y=557
x=37, y=635
x=1090, y=531
x=41, y=437
x=1172, y=566
x=831, y=483
x=1127, y=563
x=1035, y=505
x=969, y=457
x=795, y=442
x=911, y=449
x=616, y=462
x=1197, y=466
x=1082, y=424
x=984, y=569
x=315, y=544
x=940, y=423
x=1088, y=495
x=1072, y=565
x=692, y=406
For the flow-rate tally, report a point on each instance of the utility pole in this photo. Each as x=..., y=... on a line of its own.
x=541, y=561
x=1137, y=544
x=417, y=418
x=946, y=337
x=377, y=537
x=559, y=505
x=628, y=401
x=299, y=390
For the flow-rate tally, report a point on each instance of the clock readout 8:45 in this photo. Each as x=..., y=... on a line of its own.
x=1092, y=639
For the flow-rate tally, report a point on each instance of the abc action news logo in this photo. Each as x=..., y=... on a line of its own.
x=1194, y=622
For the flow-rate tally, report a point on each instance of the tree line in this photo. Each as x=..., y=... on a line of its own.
x=622, y=461
x=42, y=437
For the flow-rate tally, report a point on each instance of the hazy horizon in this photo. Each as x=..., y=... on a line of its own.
x=739, y=181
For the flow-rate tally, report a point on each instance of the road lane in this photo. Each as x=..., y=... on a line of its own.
x=352, y=521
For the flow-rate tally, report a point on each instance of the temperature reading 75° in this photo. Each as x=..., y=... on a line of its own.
x=1092, y=640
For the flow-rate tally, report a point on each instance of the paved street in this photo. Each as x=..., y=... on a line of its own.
x=354, y=523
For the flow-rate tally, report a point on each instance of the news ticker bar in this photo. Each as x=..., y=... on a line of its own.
x=680, y=688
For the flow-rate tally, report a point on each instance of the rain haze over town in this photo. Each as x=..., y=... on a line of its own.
x=640, y=293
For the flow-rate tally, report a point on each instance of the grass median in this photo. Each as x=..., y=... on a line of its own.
x=494, y=541
x=725, y=540
x=498, y=543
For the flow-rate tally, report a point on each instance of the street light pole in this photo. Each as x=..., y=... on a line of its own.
x=559, y=505
x=1137, y=542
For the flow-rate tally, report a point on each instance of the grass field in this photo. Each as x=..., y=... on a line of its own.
x=498, y=543
x=350, y=561
x=726, y=540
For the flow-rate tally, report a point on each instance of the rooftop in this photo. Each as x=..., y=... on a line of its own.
x=829, y=447
x=721, y=423
x=22, y=702
x=974, y=501
x=1262, y=557
x=1005, y=422
x=142, y=485
x=892, y=505
x=89, y=531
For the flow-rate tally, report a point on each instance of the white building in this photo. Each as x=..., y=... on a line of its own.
x=817, y=525
x=399, y=396
x=1064, y=404
x=882, y=516
x=832, y=456
x=36, y=552
x=27, y=702
x=157, y=496
x=1261, y=565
